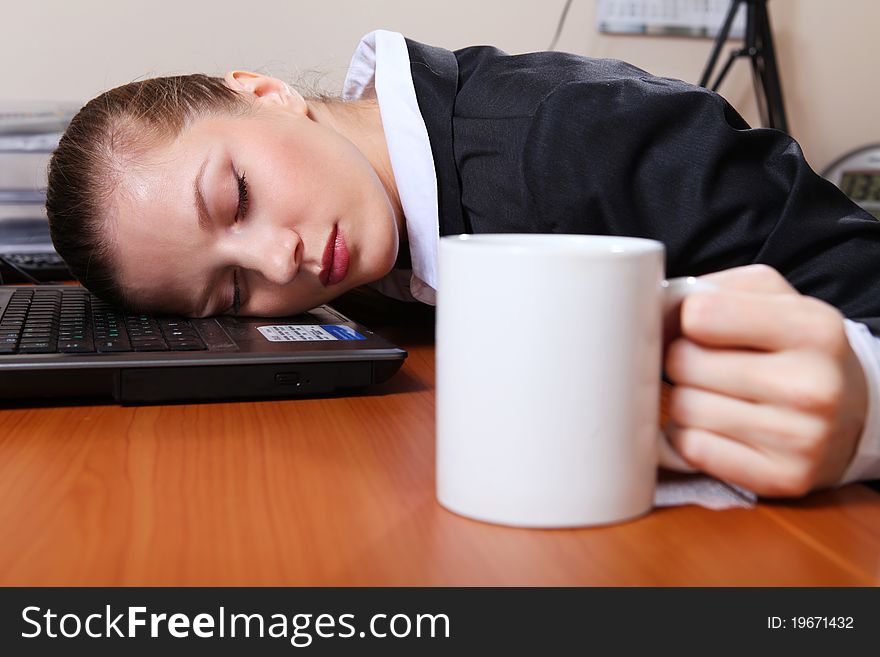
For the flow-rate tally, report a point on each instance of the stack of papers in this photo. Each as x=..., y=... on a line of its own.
x=29, y=132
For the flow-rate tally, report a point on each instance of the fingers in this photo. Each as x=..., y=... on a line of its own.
x=722, y=316
x=768, y=322
x=733, y=461
x=769, y=394
x=802, y=380
x=751, y=278
x=762, y=427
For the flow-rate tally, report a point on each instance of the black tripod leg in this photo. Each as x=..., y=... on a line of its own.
x=770, y=81
x=734, y=55
x=759, y=83
x=723, y=33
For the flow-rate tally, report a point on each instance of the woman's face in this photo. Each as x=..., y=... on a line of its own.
x=271, y=213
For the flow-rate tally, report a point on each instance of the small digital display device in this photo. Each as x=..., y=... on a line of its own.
x=861, y=186
x=857, y=174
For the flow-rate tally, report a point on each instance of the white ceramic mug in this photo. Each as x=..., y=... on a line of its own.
x=548, y=375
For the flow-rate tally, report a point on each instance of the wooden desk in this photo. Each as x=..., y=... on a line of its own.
x=341, y=491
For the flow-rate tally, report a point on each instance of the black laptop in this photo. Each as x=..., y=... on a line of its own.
x=61, y=341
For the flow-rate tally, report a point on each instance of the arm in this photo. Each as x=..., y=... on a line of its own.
x=630, y=154
x=771, y=393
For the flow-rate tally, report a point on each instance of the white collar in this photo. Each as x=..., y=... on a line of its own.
x=380, y=69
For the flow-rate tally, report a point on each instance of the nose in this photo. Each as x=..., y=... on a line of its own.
x=276, y=254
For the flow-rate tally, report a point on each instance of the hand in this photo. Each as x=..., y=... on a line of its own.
x=769, y=394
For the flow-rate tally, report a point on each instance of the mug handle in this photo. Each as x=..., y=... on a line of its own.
x=674, y=292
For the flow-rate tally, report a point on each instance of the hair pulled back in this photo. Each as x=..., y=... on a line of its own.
x=101, y=141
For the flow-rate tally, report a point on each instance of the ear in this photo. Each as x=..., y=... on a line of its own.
x=266, y=90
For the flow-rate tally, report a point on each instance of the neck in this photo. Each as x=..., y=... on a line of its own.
x=361, y=123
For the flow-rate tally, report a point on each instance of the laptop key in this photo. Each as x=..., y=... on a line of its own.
x=36, y=348
x=154, y=345
x=28, y=339
x=103, y=346
x=185, y=345
x=38, y=328
x=76, y=347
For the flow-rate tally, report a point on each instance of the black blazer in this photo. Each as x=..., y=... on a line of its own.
x=557, y=143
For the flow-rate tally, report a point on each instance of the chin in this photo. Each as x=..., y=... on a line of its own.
x=382, y=264
x=393, y=250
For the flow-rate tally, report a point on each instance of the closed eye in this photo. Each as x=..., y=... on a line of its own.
x=232, y=301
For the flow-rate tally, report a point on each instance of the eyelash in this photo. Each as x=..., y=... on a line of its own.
x=243, y=200
x=236, y=293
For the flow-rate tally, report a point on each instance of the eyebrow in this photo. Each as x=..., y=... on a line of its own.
x=205, y=222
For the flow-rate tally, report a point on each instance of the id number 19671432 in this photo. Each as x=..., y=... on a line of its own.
x=810, y=623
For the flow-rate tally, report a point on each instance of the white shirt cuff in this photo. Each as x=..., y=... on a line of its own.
x=866, y=462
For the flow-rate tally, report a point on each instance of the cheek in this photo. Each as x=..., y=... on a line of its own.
x=336, y=170
x=274, y=301
x=305, y=191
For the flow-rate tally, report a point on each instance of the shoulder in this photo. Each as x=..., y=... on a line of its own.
x=530, y=81
x=489, y=81
x=619, y=102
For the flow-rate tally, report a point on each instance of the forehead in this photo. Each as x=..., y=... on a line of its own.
x=152, y=224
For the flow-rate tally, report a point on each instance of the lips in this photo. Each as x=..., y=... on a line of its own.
x=334, y=263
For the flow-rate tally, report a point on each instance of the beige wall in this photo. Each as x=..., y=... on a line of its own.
x=72, y=49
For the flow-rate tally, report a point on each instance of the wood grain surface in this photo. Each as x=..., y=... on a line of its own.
x=340, y=491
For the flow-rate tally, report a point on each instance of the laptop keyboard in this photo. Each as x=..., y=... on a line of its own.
x=73, y=321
